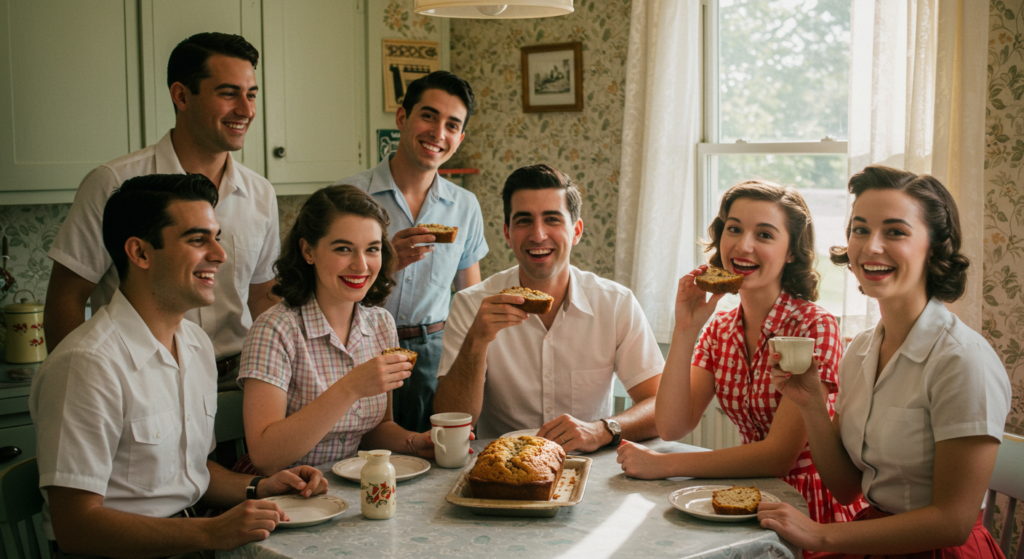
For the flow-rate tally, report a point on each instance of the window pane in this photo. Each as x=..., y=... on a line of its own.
x=783, y=69
x=821, y=180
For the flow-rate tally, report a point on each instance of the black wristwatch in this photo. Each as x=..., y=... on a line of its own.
x=615, y=429
x=250, y=492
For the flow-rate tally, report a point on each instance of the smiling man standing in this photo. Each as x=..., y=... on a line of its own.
x=554, y=371
x=432, y=121
x=212, y=82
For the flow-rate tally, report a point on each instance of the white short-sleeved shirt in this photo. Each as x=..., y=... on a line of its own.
x=944, y=382
x=115, y=414
x=535, y=374
x=247, y=213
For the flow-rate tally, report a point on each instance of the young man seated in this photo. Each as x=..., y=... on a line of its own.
x=124, y=408
x=512, y=371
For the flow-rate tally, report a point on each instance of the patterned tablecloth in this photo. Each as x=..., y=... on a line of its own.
x=618, y=517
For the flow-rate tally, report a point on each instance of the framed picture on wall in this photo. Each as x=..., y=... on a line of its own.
x=553, y=78
x=405, y=62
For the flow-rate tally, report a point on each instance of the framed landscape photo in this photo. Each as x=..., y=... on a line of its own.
x=553, y=78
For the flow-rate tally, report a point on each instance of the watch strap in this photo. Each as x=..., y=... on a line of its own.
x=250, y=491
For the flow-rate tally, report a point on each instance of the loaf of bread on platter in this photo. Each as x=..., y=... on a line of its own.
x=520, y=468
x=737, y=500
x=441, y=233
x=537, y=302
x=717, y=280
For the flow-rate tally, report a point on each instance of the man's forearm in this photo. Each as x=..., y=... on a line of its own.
x=261, y=298
x=462, y=389
x=638, y=421
x=66, y=296
x=226, y=489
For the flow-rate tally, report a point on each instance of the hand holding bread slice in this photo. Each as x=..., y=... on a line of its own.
x=442, y=233
x=536, y=302
x=402, y=351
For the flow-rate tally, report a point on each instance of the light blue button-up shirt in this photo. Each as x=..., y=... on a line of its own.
x=423, y=289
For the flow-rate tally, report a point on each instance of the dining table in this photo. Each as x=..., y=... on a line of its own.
x=618, y=516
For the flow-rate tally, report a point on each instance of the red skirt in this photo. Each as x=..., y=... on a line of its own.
x=980, y=545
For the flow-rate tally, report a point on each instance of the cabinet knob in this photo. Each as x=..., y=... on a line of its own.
x=279, y=152
x=9, y=452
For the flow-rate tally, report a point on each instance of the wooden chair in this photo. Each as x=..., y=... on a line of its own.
x=20, y=504
x=228, y=429
x=1008, y=479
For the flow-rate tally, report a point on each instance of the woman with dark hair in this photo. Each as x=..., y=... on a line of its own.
x=763, y=231
x=316, y=385
x=923, y=397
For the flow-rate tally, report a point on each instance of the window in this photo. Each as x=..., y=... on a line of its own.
x=776, y=78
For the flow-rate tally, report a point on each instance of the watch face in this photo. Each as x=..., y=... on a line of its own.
x=613, y=426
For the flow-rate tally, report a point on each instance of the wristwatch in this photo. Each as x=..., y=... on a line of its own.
x=250, y=492
x=615, y=429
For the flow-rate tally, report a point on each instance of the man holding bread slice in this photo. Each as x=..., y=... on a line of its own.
x=536, y=346
x=440, y=230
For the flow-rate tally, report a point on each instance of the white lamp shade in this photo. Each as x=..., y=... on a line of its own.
x=493, y=9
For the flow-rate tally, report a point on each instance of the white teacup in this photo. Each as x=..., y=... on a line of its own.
x=795, y=353
x=450, y=433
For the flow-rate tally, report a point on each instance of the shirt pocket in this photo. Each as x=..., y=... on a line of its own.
x=154, y=454
x=444, y=263
x=243, y=253
x=904, y=443
x=591, y=393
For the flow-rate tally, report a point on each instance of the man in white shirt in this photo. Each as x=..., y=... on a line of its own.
x=554, y=371
x=124, y=408
x=212, y=83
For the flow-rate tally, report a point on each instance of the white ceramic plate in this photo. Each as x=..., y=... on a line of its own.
x=521, y=433
x=304, y=511
x=696, y=501
x=406, y=467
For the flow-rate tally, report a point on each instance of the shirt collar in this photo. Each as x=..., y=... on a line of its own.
x=138, y=338
x=926, y=331
x=784, y=310
x=167, y=163
x=383, y=181
x=317, y=326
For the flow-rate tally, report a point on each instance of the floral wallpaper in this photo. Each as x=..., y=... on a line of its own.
x=586, y=145
x=1003, y=319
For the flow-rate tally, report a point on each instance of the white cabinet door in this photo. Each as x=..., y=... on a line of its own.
x=315, y=77
x=69, y=96
x=164, y=24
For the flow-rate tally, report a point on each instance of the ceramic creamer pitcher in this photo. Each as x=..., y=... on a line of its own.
x=377, y=484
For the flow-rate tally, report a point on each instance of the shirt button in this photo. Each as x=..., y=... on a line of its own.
x=408, y=279
x=551, y=410
x=403, y=317
x=547, y=375
x=158, y=434
x=188, y=418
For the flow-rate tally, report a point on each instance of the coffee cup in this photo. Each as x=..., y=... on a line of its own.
x=795, y=353
x=450, y=433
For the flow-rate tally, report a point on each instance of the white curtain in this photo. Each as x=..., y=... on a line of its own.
x=917, y=102
x=655, y=239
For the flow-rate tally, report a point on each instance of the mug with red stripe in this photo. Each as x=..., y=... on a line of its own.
x=450, y=433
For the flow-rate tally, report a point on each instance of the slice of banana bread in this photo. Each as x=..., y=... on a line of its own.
x=537, y=302
x=717, y=280
x=737, y=500
x=402, y=351
x=442, y=233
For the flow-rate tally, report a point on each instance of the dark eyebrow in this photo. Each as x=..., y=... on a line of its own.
x=199, y=230
x=884, y=222
x=432, y=110
x=235, y=87
x=768, y=225
x=350, y=243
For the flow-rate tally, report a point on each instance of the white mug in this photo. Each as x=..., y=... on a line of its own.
x=795, y=353
x=450, y=433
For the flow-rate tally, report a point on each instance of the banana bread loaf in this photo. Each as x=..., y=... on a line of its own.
x=520, y=468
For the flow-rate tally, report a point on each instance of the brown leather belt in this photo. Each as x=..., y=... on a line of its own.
x=417, y=331
x=227, y=364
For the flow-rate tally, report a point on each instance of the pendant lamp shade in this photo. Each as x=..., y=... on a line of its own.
x=493, y=9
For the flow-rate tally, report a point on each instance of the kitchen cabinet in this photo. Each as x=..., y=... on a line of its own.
x=315, y=75
x=69, y=95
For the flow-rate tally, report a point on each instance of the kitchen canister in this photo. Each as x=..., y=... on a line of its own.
x=377, y=484
x=25, y=340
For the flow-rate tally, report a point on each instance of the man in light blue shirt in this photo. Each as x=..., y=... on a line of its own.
x=432, y=121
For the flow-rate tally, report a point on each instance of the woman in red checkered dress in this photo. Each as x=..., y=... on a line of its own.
x=763, y=231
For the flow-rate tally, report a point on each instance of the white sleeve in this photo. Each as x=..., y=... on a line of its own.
x=969, y=393
x=78, y=413
x=460, y=318
x=79, y=244
x=264, y=269
x=637, y=356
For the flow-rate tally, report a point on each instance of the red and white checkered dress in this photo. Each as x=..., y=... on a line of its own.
x=748, y=397
x=296, y=350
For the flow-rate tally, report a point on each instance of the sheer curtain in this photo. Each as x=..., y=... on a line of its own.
x=917, y=102
x=655, y=238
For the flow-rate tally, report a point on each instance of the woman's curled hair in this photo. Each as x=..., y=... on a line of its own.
x=296, y=278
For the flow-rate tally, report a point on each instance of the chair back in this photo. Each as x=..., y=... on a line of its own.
x=20, y=506
x=228, y=429
x=1008, y=479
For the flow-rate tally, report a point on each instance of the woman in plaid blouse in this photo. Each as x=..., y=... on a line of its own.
x=316, y=385
x=763, y=231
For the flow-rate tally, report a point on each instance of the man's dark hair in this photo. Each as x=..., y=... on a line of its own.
x=446, y=82
x=188, y=60
x=139, y=209
x=539, y=177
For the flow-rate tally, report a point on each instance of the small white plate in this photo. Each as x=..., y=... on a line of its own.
x=522, y=432
x=406, y=467
x=696, y=501
x=305, y=511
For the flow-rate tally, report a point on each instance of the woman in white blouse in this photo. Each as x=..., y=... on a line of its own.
x=922, y=397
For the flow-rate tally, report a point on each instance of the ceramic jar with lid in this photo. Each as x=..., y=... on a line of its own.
x=25, y=340
x=377, y=484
